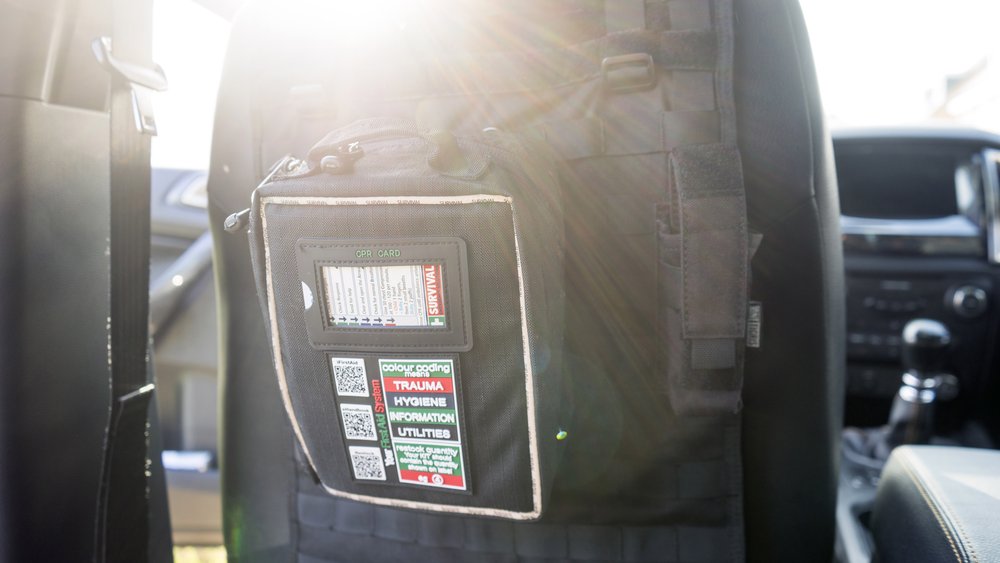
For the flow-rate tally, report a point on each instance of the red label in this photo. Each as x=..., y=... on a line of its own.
x=438, y=479
x=377, y=396
x=432, y=287
x=418, y=384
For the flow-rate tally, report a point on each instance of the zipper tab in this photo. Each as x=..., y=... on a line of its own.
x=237, y=221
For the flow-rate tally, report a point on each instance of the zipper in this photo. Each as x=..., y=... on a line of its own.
x=237, y=221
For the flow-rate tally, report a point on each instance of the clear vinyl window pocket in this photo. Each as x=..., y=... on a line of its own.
x=415, y=320
x=378, y=294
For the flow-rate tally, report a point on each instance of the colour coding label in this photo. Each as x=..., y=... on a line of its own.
x=424, y=427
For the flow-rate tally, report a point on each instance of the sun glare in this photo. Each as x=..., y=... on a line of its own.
x=880, y=62
x=189, y=42
x=895, y=62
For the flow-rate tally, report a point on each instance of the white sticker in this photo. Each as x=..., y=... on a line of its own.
x=755, y=314
x=307, y=296
x=367, y=463
x=359, y=422
x=385, y=296
x=350, y=377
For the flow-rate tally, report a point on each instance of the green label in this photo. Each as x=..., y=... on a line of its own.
x=423, y=416
x=383, y=431
x=415, y=368
x=424, y=427
x=426, y=464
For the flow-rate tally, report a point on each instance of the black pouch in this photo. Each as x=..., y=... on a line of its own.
x=412, y=284
x=704, y=279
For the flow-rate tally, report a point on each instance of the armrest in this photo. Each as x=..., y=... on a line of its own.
x=938, y=504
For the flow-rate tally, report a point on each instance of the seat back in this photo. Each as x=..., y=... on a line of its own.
x=269, y=105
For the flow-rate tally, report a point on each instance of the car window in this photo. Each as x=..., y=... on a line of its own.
x=907, y=62
x=189, y=42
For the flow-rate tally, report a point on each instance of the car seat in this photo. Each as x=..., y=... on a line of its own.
x=793, y=385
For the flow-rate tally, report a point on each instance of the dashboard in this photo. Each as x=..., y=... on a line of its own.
x=920, y=217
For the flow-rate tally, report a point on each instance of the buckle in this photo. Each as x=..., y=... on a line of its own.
x=143, y=81
x=628, y=73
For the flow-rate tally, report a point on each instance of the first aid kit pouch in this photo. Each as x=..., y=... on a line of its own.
x=412, y=287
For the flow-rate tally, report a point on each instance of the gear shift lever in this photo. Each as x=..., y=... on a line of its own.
x=925, y=352
x=925, y=347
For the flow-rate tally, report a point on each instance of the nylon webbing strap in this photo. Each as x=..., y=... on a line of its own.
x=714, y=251
x=123, y=518
x=623, y=15
x=592, y=136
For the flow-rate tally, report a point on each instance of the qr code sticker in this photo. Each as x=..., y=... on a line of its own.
x=349, y=377
x=359, y=422
x=367, y=463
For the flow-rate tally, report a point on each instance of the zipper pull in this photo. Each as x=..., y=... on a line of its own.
x=237, y=221
x=343, y=159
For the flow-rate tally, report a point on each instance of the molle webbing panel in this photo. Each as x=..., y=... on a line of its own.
x=332, y=530
x=652, y=460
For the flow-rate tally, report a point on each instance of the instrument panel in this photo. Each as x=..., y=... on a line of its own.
x=920, y=211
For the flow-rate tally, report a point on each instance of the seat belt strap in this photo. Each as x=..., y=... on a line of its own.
x=123, y=517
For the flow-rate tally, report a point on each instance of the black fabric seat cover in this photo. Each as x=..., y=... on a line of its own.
x=275, y=512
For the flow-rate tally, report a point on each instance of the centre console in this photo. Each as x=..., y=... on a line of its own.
x=920, y=220
x=921, y=235
x=884, y=293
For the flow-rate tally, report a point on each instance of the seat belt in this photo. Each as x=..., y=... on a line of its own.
x=123, y=512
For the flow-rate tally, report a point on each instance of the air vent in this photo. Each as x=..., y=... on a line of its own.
x=991, y=193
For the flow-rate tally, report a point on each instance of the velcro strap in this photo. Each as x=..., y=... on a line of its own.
x=671, y=50
x=618, y=134
x=546, y=68
x=716, y=353
x=714, y=249
x=687, y=50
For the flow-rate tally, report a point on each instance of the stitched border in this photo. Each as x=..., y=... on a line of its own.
x=536, y=493
x=966, y=542
x=907, y=465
